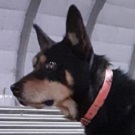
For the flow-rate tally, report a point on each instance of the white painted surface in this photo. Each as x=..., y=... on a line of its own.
x=113, y=35
x=117, y=16
x=123, y=3
x=12, y=13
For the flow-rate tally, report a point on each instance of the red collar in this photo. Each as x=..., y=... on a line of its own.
x=99, y=101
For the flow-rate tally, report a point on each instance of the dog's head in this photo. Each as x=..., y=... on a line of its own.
x=60, y=70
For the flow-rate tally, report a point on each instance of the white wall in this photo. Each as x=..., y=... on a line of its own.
x=113, y=35
x=12, y=13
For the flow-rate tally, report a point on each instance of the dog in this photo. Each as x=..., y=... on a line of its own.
x=70, y=76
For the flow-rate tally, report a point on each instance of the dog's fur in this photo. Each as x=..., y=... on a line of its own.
x=62, y=76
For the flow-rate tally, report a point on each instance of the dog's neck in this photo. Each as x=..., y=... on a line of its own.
x=97, y=75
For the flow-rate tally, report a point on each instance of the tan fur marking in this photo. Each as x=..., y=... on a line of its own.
x=36, y=91
x=72, y=37
x=42, y=59
x=69, y=78
x=68, y=108
x=38, y=61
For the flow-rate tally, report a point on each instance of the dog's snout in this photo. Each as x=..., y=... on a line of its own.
x=15, y=88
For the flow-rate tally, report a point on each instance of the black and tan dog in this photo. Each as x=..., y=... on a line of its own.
x=70, y=76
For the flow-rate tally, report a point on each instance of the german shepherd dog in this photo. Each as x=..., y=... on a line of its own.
x=70, y=76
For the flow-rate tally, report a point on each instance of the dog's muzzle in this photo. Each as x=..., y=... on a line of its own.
x=17, y=90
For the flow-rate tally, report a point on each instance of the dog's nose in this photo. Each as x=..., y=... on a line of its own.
x=15, y=88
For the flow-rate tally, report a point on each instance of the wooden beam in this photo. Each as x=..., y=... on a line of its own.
x=98, y=5
x=24, y=38
x=131, y=71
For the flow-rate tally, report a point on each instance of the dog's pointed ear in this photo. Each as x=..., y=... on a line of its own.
x=75, y=30
x=43, y=39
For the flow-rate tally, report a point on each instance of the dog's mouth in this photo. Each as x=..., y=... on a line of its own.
x=42, y=93
x=49, y=102
x=21, y=101
x=67, y=105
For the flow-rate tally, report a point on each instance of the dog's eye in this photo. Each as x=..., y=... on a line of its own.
x=51, y=65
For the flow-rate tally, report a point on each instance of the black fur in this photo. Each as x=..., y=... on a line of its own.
x=74, y=54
